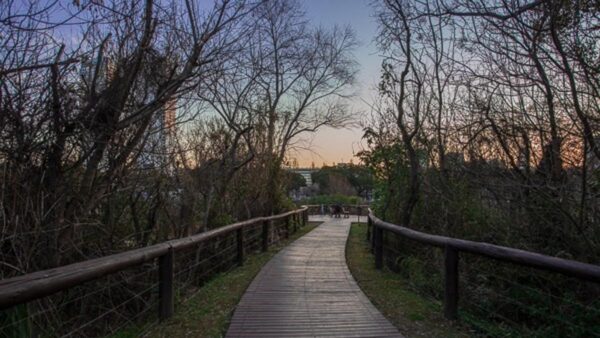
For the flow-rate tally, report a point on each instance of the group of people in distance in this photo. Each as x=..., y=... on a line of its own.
x=335, y=210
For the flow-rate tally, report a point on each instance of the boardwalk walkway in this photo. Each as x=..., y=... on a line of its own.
x=306, y=290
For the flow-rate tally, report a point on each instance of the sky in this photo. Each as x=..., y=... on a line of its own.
x=327, y=145
x=338, y=145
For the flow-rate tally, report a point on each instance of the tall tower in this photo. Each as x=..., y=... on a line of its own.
x=160, y=148
x=169, y=116
x=167, y=133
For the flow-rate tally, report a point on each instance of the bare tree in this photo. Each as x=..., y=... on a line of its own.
x=403, y=89
x=491, y=82
x=75, y=137
x=303, y=75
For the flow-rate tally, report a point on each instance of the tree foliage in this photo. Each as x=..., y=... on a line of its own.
x=126, y=123
x=346, y=179
x=293, y=181
x=486, y=128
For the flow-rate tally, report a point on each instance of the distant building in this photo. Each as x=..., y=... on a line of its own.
x=160, y=146
x=310, y=189
x=168, y=130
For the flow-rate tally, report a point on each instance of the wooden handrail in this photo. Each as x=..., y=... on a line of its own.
x=453, y=246
x=21, y=289
x=521, y=257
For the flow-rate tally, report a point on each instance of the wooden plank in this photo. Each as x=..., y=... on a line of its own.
x=306, y=290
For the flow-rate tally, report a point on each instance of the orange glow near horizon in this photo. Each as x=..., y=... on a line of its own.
x=329, y=146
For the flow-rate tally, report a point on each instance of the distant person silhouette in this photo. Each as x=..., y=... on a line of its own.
x=337, y=211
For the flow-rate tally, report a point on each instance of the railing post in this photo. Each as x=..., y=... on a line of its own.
x=378, y=232
x=451, y=283
x=165, y=285
x=373, y=233
x=265, y=236
x=287, y=227
x=369, y=223
x=240, y=246
x=295, y=222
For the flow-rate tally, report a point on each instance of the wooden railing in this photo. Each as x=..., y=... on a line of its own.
x=25, y=288
x=452, y=248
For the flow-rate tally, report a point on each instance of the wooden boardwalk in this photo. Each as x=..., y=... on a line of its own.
x=306, y=290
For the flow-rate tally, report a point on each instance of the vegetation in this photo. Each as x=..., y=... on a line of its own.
x=293, y=181
x=503, y=153
x=127, y=123
x=508, y=138
x=345, y=179
x=411, y=313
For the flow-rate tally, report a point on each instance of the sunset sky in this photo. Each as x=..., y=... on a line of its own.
x=335, y=145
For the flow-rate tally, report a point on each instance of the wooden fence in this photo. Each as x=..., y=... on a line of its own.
x=32, y=286
x=453, y=247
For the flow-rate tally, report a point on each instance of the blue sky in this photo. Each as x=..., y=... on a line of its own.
x=330, y=145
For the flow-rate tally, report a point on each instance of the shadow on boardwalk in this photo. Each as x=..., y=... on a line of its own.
x=306, y=290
